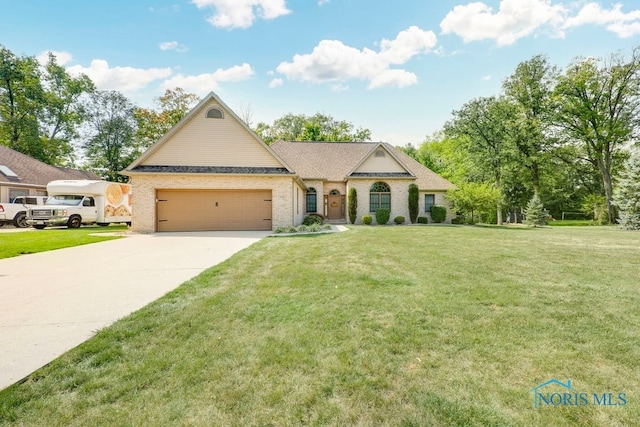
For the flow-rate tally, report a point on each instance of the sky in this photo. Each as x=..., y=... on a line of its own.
x=398, y=68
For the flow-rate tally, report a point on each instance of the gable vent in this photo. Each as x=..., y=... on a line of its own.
x=380, y=153
x=214, y=113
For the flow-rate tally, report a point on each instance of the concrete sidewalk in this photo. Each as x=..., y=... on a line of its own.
x=52, y=301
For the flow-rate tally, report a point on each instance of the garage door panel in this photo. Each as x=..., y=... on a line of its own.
x=208, y=210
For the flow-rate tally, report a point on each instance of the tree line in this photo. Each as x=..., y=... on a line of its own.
x=558, y=135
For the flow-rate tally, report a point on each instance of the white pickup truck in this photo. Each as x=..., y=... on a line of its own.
x=16, y=212
x=76, y=202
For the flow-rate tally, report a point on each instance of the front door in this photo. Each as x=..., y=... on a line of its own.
x=334, y=202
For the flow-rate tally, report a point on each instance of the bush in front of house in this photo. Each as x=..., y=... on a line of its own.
x=312, y=219
x=413, y=202
x=399, y=220
x=423, y=220
x=382, y=216
x=438, y=213
x=353, y=205
x=366, y=219
x=457, y=220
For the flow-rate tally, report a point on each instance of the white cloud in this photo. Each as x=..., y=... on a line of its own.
x=242, y=13
x=625, y=25
x=209, y=81
x=515, y=19
x=275, y=83
x=322, y=2
x=62, y=57
x=173, y=45
x=520, y=18
x=125, y=79
x=486, y=78
x=333, y=61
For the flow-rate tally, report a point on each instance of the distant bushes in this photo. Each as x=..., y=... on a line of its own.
x=423, y=220
x=366, y=219
x=399, y=220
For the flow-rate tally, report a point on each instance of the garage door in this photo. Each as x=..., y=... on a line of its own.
x=206, y=210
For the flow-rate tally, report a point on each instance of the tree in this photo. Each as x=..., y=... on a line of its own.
x=62, y=111
x=152, y=124
x=598, y=109
x=353, y=205
x=473, y=198
x=319, y=127
x=111, y=129
x=414, y=196
x=481, y=126
x=21, y=99
x=627, y=194
x=535, y=213
x=528, y=91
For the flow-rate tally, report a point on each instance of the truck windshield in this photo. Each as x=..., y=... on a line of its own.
x=64, y=200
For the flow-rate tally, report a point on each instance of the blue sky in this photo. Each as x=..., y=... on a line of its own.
x=396, y=67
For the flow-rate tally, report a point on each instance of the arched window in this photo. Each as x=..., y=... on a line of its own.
x=215, y=113
x=379, y=196
x=312, y=201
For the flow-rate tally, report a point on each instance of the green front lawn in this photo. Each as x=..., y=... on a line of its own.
x=411, y=326
x=32, y=241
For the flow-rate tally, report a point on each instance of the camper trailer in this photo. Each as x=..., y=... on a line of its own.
x=77, y=202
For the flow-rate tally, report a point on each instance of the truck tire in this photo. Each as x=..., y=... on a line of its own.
x=74, y=222
x=39, y=227
x=20, y=220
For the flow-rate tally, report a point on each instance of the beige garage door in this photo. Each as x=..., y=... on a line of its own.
x=207, y=210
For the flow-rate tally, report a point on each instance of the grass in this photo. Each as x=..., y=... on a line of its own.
x=409, y=326
x=571, y=223
x=29, y=242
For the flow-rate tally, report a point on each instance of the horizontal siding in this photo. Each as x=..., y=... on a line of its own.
x=380, y=164
x=212, y=142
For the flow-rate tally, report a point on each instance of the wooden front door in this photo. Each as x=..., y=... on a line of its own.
x=334, y=202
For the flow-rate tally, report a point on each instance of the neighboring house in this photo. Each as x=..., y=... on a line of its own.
x=211, y=172
x=21, y=175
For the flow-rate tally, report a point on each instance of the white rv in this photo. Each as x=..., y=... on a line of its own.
x=76, y=202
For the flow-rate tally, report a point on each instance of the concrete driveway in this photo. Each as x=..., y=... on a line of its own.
x=52, y=301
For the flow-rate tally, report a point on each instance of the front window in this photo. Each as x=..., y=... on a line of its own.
x=312, y=200
x=429, y=200
x=64, y=200
x=379, y=196
x=13, y=193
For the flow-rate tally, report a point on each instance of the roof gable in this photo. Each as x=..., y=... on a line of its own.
x=210, y=136
x=380, y=161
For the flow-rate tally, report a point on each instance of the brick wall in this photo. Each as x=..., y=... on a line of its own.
x=145, y=186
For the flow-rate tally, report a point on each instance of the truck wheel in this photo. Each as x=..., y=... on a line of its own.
x=39, y=227
x=74, y=222
x=20, y=220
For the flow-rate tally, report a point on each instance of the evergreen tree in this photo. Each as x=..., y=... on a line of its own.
x=414, y=196
x=627, y=195
x=535, y=212
x=353, y=205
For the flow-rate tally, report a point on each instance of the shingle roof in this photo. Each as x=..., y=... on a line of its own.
x=335, y=161
x=212, y=169
x=34, y=172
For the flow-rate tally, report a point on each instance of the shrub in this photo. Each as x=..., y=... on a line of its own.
x=353, y=205
x=399, y=220
x=366, y=219
x=457, y=220
x=536, y=215
x=312, y=219
x=414, y=197
x=423, y=220
x=382, y=216
x=438, y=213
